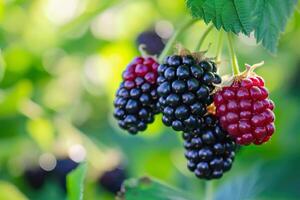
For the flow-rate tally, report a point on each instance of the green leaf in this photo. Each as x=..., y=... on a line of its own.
x=2, y=66
x=75, y=182
x=231, y=15
x=149, y=189
x=267, y=18
x=246, y=186
x=10, y=192
x=270, y=19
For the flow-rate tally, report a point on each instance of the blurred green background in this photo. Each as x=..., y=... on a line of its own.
x=61, y=63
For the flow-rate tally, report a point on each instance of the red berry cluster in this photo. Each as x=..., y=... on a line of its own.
x=245, y=111
x=140, y=67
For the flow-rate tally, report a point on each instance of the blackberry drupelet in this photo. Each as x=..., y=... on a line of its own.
x=209, y=149
x=136, y=99
x=185, y=85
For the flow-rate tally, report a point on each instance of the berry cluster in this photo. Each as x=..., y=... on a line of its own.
x=245, y=111
x=214, y=120
x=184, y=88
x=209, y=149
x=136, y=99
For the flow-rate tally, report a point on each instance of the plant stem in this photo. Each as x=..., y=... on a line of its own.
x=208, y=190
x=234, y=62
x=219, y=46
x=174, y=38
x=203, y=37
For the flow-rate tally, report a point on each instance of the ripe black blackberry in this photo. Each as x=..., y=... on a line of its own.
x=136, y=99
x=112, y=180
x=35, y=177
x=63, y=167
x=185, y=85
x=154, y=44
x=209, y=149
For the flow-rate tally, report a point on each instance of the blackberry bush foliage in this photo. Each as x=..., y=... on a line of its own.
x=136, y=99
x=209, y=149
x=245, y=110
x=185, y=85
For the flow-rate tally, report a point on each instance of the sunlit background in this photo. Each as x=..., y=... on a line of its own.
x=61, y=63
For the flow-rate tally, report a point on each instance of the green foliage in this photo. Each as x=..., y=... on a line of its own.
x=246, y=186
x=149, y=189
x=231, y=15
x=2, y=66
x=75, y=182
x=267, y=18
x=10, y=192
x=271, y=17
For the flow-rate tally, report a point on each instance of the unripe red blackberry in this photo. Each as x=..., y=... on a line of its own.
x=185, y=85
x=210, y=151
x=136, y=99
x=245, y=110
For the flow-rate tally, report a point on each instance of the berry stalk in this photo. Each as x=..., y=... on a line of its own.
x=234, y=62
x=209, y=190
x=174, y=38
x=203, y=37
x=219, y=46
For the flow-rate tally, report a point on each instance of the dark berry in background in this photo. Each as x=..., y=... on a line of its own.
x=136, y=99
x=35, y=177
x=62, y=169
x=245, y=111
x=185, y=85
x=112, y=180
x=209, y=149
x=153, y=42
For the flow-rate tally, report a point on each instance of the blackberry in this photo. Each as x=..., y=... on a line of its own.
x=112, y=180
x=136, y=99
x=35, y=177
x=184, y=88
x=245, y=110
x=153, y=42
x=209, y=149
x=63, y=167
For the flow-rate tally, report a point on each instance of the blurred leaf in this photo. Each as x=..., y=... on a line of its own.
x=75, y=183
x=87, y=16
x=149, y=189
x=10, y=192
x=12, y=98
x=50, y=191
x=42, y=131
x=244, y=187
x=11, y=127
x=22, y=64
x=2, y=66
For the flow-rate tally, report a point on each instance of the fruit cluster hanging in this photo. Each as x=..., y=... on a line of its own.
x=214, y=116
